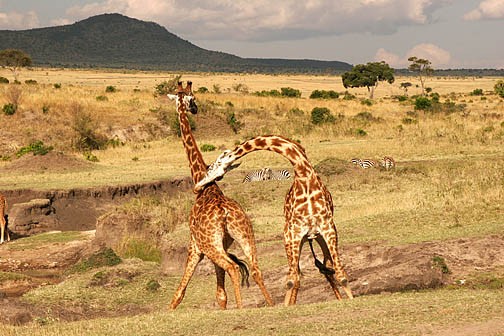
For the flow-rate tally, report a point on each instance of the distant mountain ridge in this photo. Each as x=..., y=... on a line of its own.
x=117, y=41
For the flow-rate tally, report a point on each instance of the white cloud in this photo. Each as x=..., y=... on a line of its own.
x=487, y=9
x=439, y=57
x=16, y=20
x=269, y=20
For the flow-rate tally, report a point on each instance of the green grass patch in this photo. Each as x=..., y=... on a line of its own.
x=11, y=276
x=42, y=239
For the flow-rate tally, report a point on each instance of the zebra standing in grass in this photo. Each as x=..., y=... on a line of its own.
x=387, y=162
x=266, y=174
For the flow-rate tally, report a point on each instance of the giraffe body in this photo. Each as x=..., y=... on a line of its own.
x=216, y=221
x=3, y=220
x=308, y=211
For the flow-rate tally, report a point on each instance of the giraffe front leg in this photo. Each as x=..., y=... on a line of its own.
x=221, y=295
x=193, y=258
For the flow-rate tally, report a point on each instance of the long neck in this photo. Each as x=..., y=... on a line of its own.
x=292, y=151
x=196, y=162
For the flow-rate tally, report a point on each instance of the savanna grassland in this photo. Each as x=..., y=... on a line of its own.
x=448, y=184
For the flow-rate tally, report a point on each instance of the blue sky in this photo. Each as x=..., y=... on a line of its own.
x=450, y=33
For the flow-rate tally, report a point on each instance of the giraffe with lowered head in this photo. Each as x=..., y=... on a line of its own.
x=215, y=221
x=308, y=211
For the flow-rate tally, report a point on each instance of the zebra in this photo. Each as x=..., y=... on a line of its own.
x=366, y=163
x=387, y=163
x=267, y=174
x=355, y=161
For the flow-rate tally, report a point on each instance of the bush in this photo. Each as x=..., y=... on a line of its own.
x=101, y=98
x=290, y=92
x=231, y=120
x=477, y=92
x=321, y=115
x=105, y=257
x=37, y=148
x=4, y=80
x=270, y=93
x=57, y=85
x=242, y=88
x=367, y=102
x=167, y=86
x=207, y=148
x=499, y=88
x=110, y=89
x=323, y=94
x=360, y=132
x=87, y=138
x=348, y=96
x=9, y=109
x=202, y=90
x=30, y=82
x=423, y=103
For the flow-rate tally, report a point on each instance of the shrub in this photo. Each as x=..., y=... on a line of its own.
x=367, y=102
x=242, y=88
x=401, y=98
x=45, y=109
x=110, y=88
x=87, y=138
x=295, y=112
x=139, y=248
x=36, y=147
x=409, y=121
x=423, y=103
x=323, y=94
x=348, y=96
x=101, y=98
x=365, y=116
x=9, y=109
x=90, y=157
x=167, y=86
x=477, y=92
x=360, y=132
x=105, y=257
x=499, y=88
x=290, y=92
x=321, y=115
x=231, y=120
x=202, y=90
x=216, y=88
x=270, y=93
x=57, y=85
x=152, y=285
x=30, y=82
x=207, y=148
x=4, y=80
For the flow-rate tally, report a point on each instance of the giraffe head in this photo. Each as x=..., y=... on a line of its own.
x=217, y=169
x=184, y=99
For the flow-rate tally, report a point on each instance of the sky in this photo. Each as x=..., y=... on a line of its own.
x=449, y=33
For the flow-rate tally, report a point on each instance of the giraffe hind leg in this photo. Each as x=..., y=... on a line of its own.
x=193, y=259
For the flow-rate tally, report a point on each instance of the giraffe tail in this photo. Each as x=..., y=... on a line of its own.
x=321, y=267
x=244, y=271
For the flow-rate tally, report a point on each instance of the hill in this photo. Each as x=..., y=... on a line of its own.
x=117, y=41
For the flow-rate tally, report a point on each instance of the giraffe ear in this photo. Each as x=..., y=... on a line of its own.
x=171, y=96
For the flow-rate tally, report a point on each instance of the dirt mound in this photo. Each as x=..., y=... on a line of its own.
x=52, y=161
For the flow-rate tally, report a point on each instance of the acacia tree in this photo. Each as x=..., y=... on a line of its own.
x=14, y=59
x=368, y=75
x=423, y=67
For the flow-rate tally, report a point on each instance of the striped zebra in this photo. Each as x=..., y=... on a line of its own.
x=355, y=161
x=366, y=163
x=387, y=163
x=266, y=174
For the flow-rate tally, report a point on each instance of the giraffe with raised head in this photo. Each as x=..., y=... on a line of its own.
x=3, y=220
x=215, y=221
x=308, y=211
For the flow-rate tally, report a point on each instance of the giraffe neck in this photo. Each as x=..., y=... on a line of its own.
x=196, y=163
x=290, y=150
